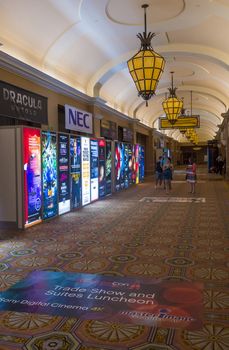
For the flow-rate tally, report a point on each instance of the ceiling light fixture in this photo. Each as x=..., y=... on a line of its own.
x=146, y=66
x=172, y=105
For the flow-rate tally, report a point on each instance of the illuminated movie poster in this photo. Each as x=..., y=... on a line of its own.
x=141, y=163
x=119, y=166
x=136, y=149
x=63, y=175
x=32, y=175
x=126, y=165
x=108, y=167
x=85, y=170
x=102, y=171
x=94, y=169
x=133, y=165
x=75, y=171
x=130, y=164
x=49, y=174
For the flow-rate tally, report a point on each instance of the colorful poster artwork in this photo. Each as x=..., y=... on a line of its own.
x=133, y=164
x=141, y=163
x=126, y=165
x=108, y=168
x=102, y=169
x=136, y=155
x=132, y=300
x=32, y=175
x=119, y=166
x=130, y=168
x=63, y=173
x=49, y=174
x=75, y=171
x=85, y=169
x=94, y=170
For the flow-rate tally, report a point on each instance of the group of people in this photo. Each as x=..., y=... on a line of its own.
x=164, y=174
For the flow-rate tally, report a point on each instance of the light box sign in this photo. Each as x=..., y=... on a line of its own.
x=129, y=300
x=102, y=168
x=136, y=150
x=85, y=169
x=63, y=173
x=108, y=167
x=49, y=174
x=78, y=120
x=75, y=172
x=126, y=165
x=32, y=175
x=94, y=170
x=141, y=163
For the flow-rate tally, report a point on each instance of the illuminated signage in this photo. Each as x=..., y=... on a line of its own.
x=181, y=123
x=85, y=168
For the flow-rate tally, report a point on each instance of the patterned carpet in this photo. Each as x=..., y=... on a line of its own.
x=123, y=236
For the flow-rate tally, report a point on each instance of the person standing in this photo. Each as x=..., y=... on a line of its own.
x=191, y=175
x=159, y=172
x=168, y=174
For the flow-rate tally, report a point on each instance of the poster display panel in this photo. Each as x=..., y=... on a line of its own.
x=75, y=172
x=85, y=170
x=63, y=174
x=102, y=168
x=49, y=174
x=108, y=167
x=131, y=300
x=32, y=175
x=94, y=169
x=133, y=164
x=130, y=168
x=119, y=166
x=141, y=163
x=126, y=165
x=136, y=156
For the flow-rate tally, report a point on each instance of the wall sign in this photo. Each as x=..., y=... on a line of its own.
x=22, y=104
x=78, y=120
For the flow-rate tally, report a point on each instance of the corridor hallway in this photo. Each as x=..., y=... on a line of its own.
x=127, y=235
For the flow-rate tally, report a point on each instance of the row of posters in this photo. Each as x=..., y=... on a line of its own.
x=64, y=172
x=129, y=165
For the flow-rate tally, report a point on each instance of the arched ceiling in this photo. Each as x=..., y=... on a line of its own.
x=86, y=43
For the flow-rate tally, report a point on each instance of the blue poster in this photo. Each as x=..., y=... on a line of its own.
x=126, y=165
x=49, y=174
x=75, y=171
x=94, y=169
x=141, y=163
x=63, y=174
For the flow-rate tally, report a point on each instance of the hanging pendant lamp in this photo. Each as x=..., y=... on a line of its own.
x=172, y=105
x=146, y=66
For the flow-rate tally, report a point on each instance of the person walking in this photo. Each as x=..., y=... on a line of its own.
x=191, y=175
x=159, y=172
x=168, y=174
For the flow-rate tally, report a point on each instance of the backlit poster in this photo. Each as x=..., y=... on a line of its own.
x=108, y=167
x=102, y=168
x=75, y=171
x=141, y=163
x=85, y=170
x=130, y=164
x=49, y=174
x=94, y=169
x=63, y=174
x=126, y=165
x=119, y=166
x=32, y=175
x=133, y=165
x=136, y=149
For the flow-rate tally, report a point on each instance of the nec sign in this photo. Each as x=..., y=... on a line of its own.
x=78, y=120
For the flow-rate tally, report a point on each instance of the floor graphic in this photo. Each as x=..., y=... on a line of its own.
x=118, y=299
x=173, y=199
x=184, y=181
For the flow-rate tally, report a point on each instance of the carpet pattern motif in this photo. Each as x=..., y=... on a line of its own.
x=123, y=236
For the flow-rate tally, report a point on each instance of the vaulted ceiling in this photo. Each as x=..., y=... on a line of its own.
x=86, y=43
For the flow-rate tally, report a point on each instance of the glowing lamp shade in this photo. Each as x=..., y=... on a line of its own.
x=146, y=66
x=172, y=105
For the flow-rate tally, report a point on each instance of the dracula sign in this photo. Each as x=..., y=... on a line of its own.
x=22, y=104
